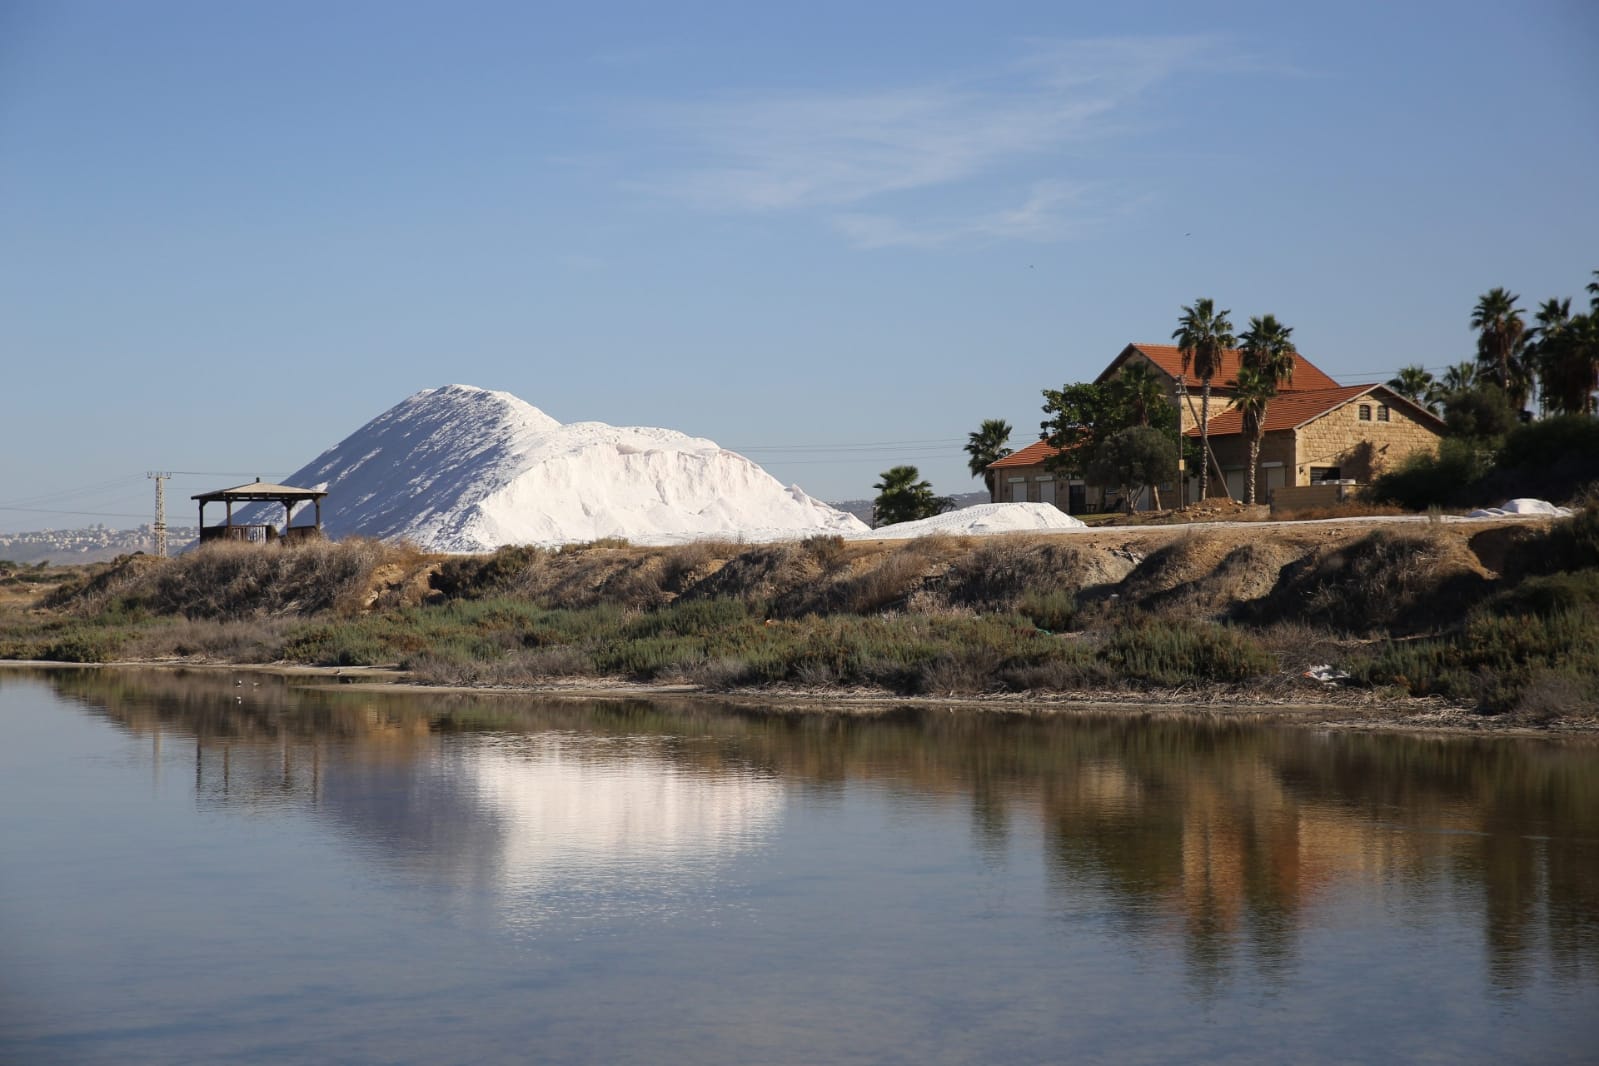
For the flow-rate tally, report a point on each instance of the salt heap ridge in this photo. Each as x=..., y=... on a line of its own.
x=464, y=469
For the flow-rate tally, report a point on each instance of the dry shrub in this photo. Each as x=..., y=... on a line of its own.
x=1003, y=571
x=253, y=640
x=1347, y=509
x=234, y=581
x=1550, y=695
x=686, y=564
x=97, y=586
x=1383, y=582
x=829, y=551
x=872, y=583
x=1172, y=566
x=759, y=574
x=1192, y=582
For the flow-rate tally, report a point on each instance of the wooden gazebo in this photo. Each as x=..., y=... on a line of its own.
x=259, y=491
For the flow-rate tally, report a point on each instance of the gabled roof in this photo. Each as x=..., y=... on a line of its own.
x=1167, y=357
x=1032, y=455
x=261, y=490
x=1291, y=410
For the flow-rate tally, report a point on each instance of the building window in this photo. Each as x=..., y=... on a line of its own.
x=1365, y=412
x=1319, y=474
x=1382, y=413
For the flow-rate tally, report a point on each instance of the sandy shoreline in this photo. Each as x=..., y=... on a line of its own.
x=1338, y=709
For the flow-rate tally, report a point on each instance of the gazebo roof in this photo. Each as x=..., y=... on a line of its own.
x=261, y=490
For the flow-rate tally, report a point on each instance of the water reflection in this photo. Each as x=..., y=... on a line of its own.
x=519, y=801
x=1230, y=838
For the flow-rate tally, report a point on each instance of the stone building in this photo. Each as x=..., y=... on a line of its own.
x=1316, y=431
x=1315, y=436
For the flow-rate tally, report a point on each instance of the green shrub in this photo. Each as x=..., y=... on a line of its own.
x=1054, y=610
x=1175, y=653
x=1425, y=480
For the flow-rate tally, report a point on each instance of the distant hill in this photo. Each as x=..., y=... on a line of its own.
x=93, y=545
x=862, y=509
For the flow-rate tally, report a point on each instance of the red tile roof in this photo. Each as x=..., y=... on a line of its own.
x=1032, y=455
x=1288, y=410
x=1307, y=376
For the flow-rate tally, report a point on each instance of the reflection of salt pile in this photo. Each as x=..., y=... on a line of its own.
x=984, y=518
x=463, y=469
x=579, y=820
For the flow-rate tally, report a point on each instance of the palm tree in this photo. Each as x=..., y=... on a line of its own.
x=1593, y=293
x=1414, y=383
x=1267, y=354
x=1253, y=392
x=1267, y=346
x=1141, y=392
x=1202, y=335
x=1546, y=342
x=904, y=497
x=988, y=445
x=1459, y=378
x=1501, y=337
x=1566, y=350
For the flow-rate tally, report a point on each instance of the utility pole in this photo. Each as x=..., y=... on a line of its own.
x=160, y=527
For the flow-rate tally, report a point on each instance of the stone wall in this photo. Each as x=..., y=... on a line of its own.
x=1361, y=450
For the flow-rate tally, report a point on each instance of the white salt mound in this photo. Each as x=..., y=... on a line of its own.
x=1522, y=507
x=984, y=518
x=463, y=469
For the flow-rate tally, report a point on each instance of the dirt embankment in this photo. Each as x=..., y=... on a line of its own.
x=1359, y=577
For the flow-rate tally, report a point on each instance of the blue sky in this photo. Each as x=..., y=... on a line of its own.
x=833, y=236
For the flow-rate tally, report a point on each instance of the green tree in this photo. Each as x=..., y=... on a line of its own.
x=1080, y=415
x=1132, y=458
x=1202, y=335
x=1083, y=415
x=988, y=445
x=1481, y=415
x=1501, y=339
x=1565, y=349
x=902, y=496
x=1416, y=384
x=1139, y=399
x=1254, y=392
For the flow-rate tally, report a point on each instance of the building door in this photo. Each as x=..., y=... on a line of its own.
x=1018, y=491
x=1276, y=478
x=1046, y=492
x=1235, y=484
x=1076, y=498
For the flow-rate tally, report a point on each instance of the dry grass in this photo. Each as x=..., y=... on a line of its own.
x=1347, y=509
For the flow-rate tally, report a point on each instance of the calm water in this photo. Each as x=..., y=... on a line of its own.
x=197, y=871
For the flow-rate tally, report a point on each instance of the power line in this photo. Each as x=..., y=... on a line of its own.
x=96, y=514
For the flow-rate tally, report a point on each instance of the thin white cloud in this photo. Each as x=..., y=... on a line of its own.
x=854, y=156
x=1053, y=211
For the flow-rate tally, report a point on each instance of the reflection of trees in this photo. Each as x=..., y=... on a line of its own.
x=1223, y=833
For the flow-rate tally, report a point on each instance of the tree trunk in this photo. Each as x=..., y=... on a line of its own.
x=1204, y=435
x=1254, y=462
